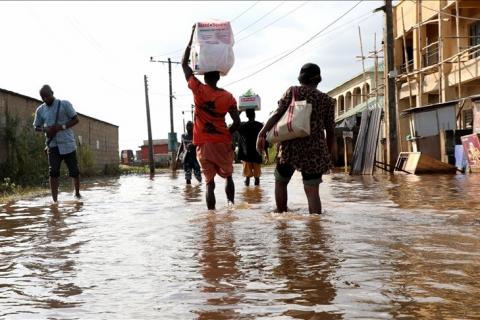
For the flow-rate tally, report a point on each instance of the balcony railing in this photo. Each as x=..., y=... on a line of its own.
x=406, y=66
x=430, y=54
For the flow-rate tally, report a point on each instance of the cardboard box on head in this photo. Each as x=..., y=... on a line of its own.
x=212, y=47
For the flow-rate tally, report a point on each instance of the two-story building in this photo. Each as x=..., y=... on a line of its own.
x=363, y=91
x=437, y=62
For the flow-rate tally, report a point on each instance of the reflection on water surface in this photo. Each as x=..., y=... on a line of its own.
x=402, y=247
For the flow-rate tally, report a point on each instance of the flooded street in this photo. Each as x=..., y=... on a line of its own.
x=402, y=247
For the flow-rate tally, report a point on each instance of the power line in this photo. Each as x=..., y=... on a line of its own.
x=250, y=25
x=276, y=20
x=245, y=11
x=259, y=19
x=356, y=20
x=298, y=47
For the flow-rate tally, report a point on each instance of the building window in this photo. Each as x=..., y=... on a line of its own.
x=98, y=144
x=348, y=101
x=366, y=92
x=468, y=119
x=475, y=39
x=80, y=141
x=341, y=105
x=357, y=97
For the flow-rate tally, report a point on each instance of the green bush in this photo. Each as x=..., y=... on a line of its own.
x=26, y=162
x=111, y=169
x=86, y=161
x=272, y=153
x=7, y=187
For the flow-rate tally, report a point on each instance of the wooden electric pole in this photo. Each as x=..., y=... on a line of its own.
x=390, y=74
x=172, y=135
x=149, y=126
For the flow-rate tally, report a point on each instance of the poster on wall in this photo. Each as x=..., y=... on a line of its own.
x=471, y=147
x=476, y=118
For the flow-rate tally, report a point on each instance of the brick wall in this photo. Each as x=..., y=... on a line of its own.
x=101, y=136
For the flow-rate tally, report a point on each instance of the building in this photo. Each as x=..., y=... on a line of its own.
x=100, y=136
x=437, y=62
x=160, y=152
x=356, y=95
x=363, y=91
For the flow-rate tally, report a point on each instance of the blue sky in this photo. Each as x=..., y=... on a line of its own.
x=95, y=54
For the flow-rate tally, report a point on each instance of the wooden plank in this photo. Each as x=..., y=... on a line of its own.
x=419, y=163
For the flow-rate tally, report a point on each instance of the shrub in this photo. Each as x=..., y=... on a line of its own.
x=86, y=160
x=26, y=162
x=7, y=187
x=111, y=169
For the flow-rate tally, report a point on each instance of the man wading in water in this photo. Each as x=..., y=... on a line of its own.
x=210, y=132
x=55, y=118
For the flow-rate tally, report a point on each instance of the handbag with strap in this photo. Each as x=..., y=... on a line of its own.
x=295, y=122
x=56, y=121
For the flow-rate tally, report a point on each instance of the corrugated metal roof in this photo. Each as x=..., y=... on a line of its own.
x=430, y=107
x=370, y=104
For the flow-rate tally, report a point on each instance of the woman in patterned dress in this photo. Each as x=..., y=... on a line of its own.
x=310, y=155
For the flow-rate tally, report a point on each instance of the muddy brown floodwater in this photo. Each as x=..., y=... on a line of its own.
x=402, y=247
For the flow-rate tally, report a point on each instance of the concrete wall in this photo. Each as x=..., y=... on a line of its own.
x=102, y=137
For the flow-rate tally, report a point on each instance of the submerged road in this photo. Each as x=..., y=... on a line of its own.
x=401, y=247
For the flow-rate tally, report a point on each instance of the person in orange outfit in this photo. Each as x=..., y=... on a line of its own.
x=210, y=132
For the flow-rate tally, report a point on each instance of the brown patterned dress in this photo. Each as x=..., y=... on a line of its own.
x=309, y=154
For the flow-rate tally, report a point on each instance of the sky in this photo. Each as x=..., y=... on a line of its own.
x=95, y=54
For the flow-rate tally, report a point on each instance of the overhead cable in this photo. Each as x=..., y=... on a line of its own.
x=245, y=11
x=259, y=19
x=276, y=20
x=181, y=49
x=355, y=20
x=299, y=46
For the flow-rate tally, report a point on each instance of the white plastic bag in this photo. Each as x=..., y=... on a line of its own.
x=212, y=47
x=295, y=122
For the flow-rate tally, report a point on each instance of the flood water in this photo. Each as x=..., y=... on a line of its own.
x=402, y=247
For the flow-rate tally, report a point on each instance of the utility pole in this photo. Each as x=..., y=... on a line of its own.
x=390, y=73
x=149, y=126
x=172, y=135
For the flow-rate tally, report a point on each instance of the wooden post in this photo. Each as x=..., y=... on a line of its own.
x=440, y=64
x=363, y=62
x=406, y=62
x=420, y=56
x=149, y=127
x=390, y=66
x=457, y=22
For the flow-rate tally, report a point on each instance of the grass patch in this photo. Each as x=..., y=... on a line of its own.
x=125, y=169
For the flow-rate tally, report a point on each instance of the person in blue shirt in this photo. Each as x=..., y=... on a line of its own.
x=189, y=155
x=55, y=118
